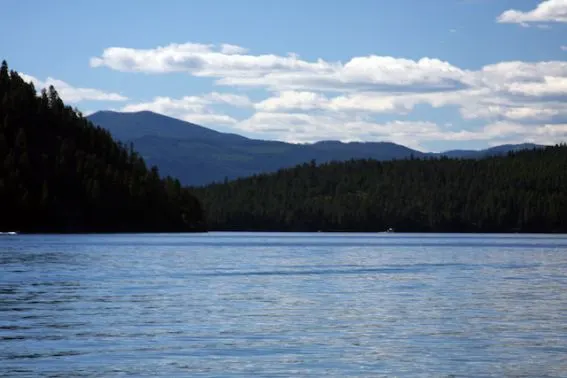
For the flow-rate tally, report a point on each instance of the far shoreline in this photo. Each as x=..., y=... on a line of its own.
x=382, y=233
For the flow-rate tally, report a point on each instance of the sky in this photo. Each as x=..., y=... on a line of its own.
x=429, y=74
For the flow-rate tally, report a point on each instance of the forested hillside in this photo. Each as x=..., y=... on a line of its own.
x=524, y=191
x=60, y=173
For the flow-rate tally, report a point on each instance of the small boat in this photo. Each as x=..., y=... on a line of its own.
x=9, y=233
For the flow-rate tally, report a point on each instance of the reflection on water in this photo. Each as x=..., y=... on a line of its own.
x=284, y=305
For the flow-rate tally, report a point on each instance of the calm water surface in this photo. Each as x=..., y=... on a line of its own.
x=248, y=304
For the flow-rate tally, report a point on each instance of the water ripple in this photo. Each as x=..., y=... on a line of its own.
x=283, y=305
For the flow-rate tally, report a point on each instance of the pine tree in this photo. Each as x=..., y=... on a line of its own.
x=60, y=173
x=524, y=191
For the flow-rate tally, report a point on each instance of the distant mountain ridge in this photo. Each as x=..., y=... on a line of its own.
x=496, y=150
x=130, y=126
x=198, y=155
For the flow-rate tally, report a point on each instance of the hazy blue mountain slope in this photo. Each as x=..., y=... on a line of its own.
x=198, y=155
x=129, y=126
x=502, y=149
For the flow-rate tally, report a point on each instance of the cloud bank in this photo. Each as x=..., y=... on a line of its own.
x=73, y=94
x=318, y=99
x=196, y=109
x=547, y=11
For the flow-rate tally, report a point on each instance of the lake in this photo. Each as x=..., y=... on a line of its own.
x=269, y=304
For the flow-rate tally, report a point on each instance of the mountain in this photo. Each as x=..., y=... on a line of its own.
x=492, y=151
x=199, y=156
x=129, y=126
x=523, y=191
x=60, y=173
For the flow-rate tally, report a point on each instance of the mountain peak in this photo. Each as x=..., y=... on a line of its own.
x=127, y=126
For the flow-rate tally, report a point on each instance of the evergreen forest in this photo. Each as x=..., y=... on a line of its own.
x=60, y=173
x=523, y=191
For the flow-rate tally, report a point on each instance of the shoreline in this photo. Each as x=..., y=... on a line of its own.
x=382, y=233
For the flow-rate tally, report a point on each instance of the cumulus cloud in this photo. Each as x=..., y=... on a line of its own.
x=73, y=94
x=374, y=83
x=292, y=100
x=199, y=60
x=546, y=11
x=227, y=98
x=549, y=86
x=378, y=102
x=227, y=48
x=317, y=99
x=196, y=109
x=508, y=132
x=284, y=72
x=302, y=128
x=209, y=119
x=351, y=102
x=169, y=106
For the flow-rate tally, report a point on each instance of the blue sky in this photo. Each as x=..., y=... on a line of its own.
x=430, y=74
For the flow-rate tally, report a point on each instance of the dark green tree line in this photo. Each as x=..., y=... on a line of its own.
x=525, y=191
x=60, y=173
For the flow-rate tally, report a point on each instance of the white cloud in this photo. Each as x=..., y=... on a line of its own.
x=232, y=49
x=506, y=132
x=318, y=99
x=513, y=102
x=524, y=114
x=198, y=59
x=227, y=98
x=169, y=106
x=284, y=72
x=373, y=83
x=191, y=103
x=550, y=86
x=196, y=109
x=209, y=119
x=351, y=102
x=292, y=100
x=564, y=47
x=546, y=11
x=73, y=94
x=506, y=72
x=302, y=128
x=369, y=73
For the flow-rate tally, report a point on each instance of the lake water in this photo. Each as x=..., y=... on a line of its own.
x=253, y=304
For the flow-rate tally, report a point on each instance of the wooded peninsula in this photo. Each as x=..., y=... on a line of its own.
x=523, y=191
